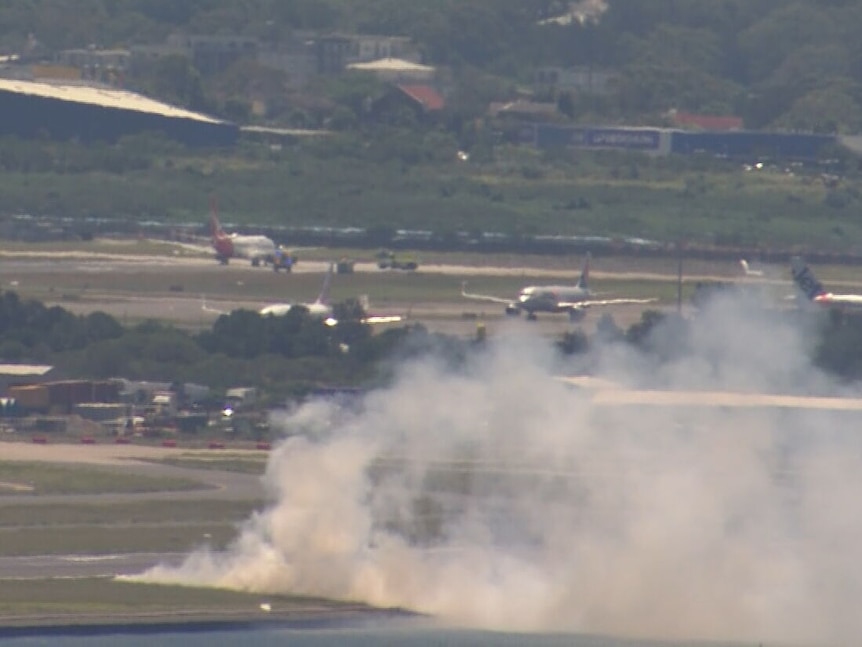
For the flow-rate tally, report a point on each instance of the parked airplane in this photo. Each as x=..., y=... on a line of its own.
x=746, y=269
x=816, y=293
x=322, y=308
x=572, y=299
x=257, y=249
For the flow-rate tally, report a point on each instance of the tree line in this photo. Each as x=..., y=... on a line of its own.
x=294, y=354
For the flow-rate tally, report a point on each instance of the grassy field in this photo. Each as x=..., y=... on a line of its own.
x=127, y=527
x=32, y=514
x=29, y=527
x=345, y=182
x=106, y=601
x=45, y=478
x=239, y=464
x=161, y=537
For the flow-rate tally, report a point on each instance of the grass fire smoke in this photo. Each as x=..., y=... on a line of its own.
x=499, y=497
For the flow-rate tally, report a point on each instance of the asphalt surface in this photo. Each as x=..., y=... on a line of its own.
x=194, y=290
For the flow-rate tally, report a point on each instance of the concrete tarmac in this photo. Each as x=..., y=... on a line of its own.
x=194, y=291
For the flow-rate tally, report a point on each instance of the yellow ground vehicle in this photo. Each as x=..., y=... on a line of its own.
x=387, y=260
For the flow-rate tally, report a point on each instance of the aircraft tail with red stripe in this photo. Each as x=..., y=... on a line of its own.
x=216, y=230
x=221, y=242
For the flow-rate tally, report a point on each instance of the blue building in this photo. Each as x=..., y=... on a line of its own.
x=663, y=141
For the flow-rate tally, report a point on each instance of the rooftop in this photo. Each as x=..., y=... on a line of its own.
x=707, y=122
x=425, y=95
x=99, y=96
x=24, y=370
x=391, y=65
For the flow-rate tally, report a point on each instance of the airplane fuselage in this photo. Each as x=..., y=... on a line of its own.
x=814, y=291
x=254, y=248
x=845, y=301
x=320, y=310
x=547, y=298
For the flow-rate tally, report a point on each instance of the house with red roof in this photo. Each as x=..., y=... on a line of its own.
x=423, y=100
x=705, y=122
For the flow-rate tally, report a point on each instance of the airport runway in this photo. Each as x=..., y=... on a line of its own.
x=193, y=290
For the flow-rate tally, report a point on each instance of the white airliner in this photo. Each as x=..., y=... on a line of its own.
x=816, y=293
x=322, y=308
x=256, y=248
x=572, y=299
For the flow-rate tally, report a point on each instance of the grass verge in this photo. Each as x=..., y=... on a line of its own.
x=221, y=464
x=100, y=540
x=108, y=601
x=46, y=478
x=26, y=515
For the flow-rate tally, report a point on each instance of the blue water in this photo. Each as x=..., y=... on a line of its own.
x=355, y=634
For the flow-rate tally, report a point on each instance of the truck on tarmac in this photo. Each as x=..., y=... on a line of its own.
x=388, y=260
x=281, y=259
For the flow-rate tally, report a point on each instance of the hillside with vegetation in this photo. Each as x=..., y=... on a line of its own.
x=777, y=64
x=405, y=179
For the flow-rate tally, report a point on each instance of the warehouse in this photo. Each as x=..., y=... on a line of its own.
x=744, y=145
x=24, y=374
x=88, y=113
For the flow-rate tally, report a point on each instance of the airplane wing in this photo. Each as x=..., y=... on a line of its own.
x=575, y=305
x=482, y=297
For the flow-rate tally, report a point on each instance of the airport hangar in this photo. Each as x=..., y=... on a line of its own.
x=89, y=113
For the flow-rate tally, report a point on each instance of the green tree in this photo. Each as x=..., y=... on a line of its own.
x=174, y=79
x=794, y=26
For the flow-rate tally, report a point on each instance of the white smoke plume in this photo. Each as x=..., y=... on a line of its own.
x=581, y=11
x=498, y=497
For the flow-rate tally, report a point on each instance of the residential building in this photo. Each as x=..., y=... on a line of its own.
x=585, y=79
x=209, y=54
x=100, y=65
x=423, y=100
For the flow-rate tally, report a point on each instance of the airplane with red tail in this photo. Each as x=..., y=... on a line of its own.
x=256, y=248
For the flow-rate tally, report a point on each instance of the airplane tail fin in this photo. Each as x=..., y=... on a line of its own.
x=746, y=269
x=215, y=225
x=805, y=279
x=327, y=284
x=584, y=279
